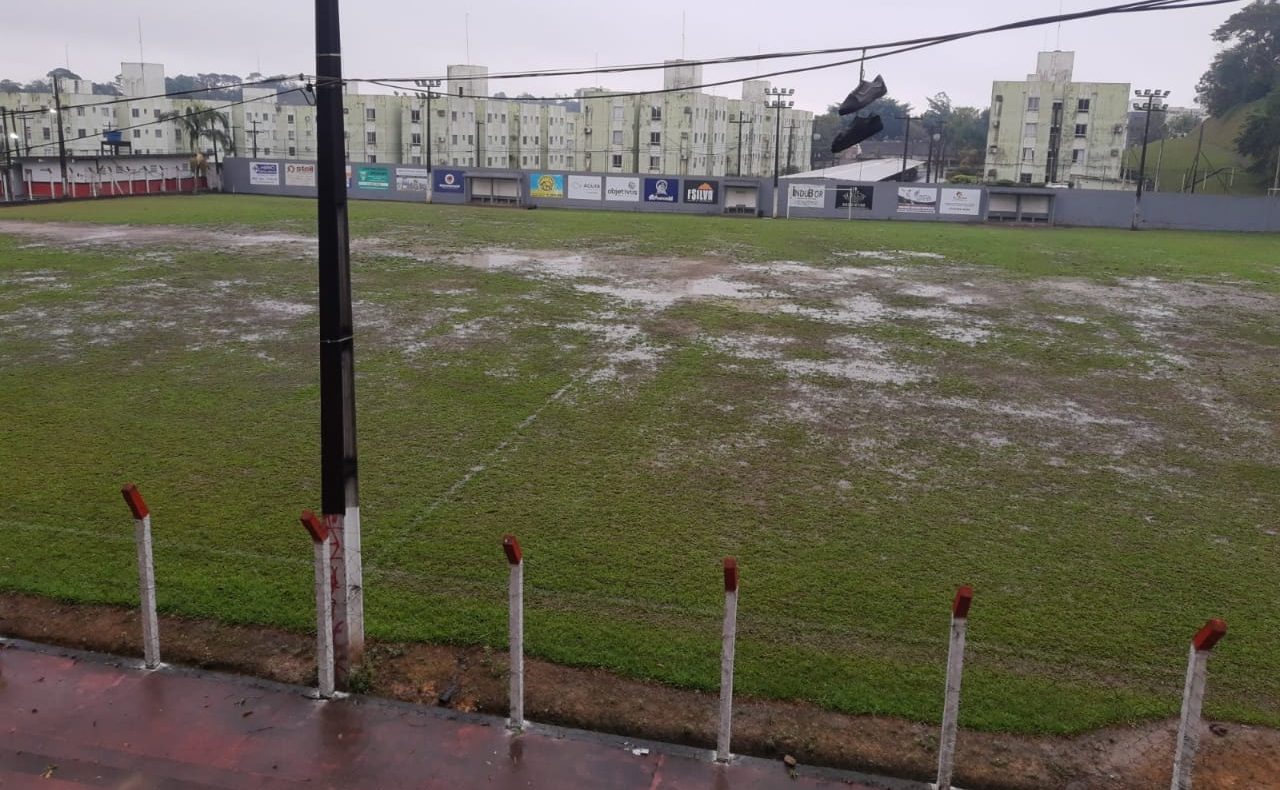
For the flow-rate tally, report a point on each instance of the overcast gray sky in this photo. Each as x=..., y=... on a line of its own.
x=402, y=38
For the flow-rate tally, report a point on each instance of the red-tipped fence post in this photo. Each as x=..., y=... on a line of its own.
x=729, y=638
x=1192, y=700
x=951, y=704
x=515, y=629
x=146, y=574
x=321, y=538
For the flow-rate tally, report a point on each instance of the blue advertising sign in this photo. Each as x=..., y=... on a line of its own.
x=448, y=180
x=662, y=190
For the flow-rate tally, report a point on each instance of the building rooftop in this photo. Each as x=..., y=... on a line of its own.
x=868, y=170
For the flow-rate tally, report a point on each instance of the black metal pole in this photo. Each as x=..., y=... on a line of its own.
x=338, y=470
x=428, y=132
x=1142, y=162
x=1195, y=163
x=739, y=143
x=906, y=143
x=8, y=141
x=255, y=137
x=62, y=144
x=928, y=167
x=777, y=142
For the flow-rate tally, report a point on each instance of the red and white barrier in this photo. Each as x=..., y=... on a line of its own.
x=348, y=592
x=515, y=629
x=951, y=704
x=1192, y=701
x=146, y=574
x=728, y=641
x=322, y=539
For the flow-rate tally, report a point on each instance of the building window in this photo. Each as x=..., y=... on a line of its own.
x=370, y=114
x=136, y=134
x=655, y=163
x=159, y=132
x=453, y=116
x=455, y=142
x=504, y=117
x=373, y=158
x=617, y=112
x=488, y=160
x=1030, y=130
x=1033, y=104
x=135, y=111
x=1082, y=129
x=471, y=139
x=289, y=117
x=617, y=138
x=1028, y=154
x=1024, y=178
x=1082, y=105
x=1078, y=156
x=524, y=160
x=370, y=138
x=415, y=138
x=415, y=160
x=415, y=116
x=655, y=113
x=292, y=134
x=617, y=161
x=155, y=114
x=655, y=138
x=293, y=151
x=81, y=133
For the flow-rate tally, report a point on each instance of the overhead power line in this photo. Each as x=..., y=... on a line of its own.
x=169, y=95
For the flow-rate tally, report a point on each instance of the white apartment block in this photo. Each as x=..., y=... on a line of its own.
x=679, y=131
x=1048, y=129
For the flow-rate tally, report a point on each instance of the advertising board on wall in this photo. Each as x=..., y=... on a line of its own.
x=298, y=174
x=702, y=193
x=412, y=179
x=584, y=187
x=373, y=178
x=806, y=195
x=448, y=181
x=962, y=202
x=545, y=185
x=622, y=188
x=662, y=190
x=917, y=200
x=855, y=198
x=264, y=173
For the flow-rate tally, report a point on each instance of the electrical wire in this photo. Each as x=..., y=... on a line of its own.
x=128, y=99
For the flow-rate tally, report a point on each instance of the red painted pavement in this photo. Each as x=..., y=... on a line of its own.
x=74, y=721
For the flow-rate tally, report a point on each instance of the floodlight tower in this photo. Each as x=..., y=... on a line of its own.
x=1152, y=101
x=778, y=104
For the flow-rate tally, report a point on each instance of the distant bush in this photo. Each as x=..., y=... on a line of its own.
x=961, y=178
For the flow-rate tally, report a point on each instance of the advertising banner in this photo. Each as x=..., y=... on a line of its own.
x=622, y=188
x=297, y=174
x=703, y=193
x=854, y=198
x=264, y=173
x=917, y=200
x=412, y=179
x=448, y=180
x=373, y=178
x=662, y=190
x=545, y=185
x=348, y=176
x=962, y=202
x=806, y=196
x=584, y=187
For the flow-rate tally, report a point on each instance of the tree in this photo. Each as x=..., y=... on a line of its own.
x=62, y=74
x=9, y=86
x=1259, y=137
x=199, y=122
x=106, y=89
x=1250, y=66
x=38, y=86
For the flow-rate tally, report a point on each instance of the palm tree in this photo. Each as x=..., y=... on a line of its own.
x=199, y=122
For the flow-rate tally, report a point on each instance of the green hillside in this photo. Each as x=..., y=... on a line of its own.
x=1217, y=153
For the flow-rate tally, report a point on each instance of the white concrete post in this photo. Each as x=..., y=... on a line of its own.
x=146, y=575
x=728, y=641
x=1192, y=700
x=515, y=629
x=321, y=539
x=951, y=703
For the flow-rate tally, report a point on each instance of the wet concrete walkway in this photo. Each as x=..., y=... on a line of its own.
x=70, y=720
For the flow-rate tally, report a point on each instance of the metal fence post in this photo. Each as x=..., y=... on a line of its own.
x=1192, y=700
x=729, y=637
x=951, y=703
x=515, y=629
x=321, y=538
x=146, y=575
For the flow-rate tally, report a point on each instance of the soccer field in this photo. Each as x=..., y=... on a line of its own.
x=1079, y=423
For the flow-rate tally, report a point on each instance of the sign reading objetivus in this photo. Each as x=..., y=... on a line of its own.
x=265, y=174
x=806, y=195
x=702, y=193
x=917, y=200
x=662, y=190
x=961, y=202
x=373, y=178
x=584, y=187
x=297, y=174
x=622, y=188
x=855, y=198
x=545, y=185
x=448, y=181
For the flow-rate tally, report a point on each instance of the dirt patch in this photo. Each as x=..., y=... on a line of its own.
x=474, y=679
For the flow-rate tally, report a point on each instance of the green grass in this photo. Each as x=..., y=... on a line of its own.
x=1218, y=152
x=626, y=493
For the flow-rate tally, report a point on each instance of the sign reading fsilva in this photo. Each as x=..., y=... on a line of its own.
x=297, y=174
x=806, y=195
x=545, y=185
x=584, y=187
x=264, y=173
x=622, y=188
x=662, y=190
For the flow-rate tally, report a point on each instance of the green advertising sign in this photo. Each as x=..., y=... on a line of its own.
x=373, y=178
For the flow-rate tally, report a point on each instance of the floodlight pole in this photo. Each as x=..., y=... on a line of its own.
x=1152, y=103
x=62, y=143
x=778, y=105
x=338, y=472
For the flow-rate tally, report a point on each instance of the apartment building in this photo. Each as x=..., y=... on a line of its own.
x=1048, y=129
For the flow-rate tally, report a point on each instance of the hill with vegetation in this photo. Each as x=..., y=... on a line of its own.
x=1222, y=170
